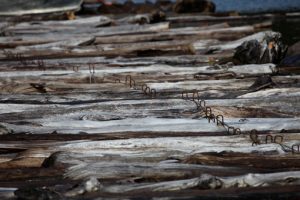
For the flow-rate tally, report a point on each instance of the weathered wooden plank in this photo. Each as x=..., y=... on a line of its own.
x=78, y=124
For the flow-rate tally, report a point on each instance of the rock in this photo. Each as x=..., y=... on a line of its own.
x=270, y=50
x=90, y=185
x=192, y=6
x=248, y=52
x=37, y=194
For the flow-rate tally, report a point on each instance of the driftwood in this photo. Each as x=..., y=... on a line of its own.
x=211, y=182
x=96, y=100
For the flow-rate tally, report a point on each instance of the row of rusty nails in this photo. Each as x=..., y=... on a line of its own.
x=10, y=55
x=272, y=139
x=201, y=105
x=74, y=67
x=144, y=87
x=269, y=138
x=219, y=119
x=41, y=63
x=20, y=57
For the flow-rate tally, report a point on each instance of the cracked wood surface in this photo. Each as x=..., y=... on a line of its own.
x=68, y=124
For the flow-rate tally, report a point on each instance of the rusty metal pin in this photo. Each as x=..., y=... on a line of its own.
x=231, y=128
x=218, y=121
x=253, y=131
x=144, y=87
x=278, y=136
x=196, y=93
x=202, y=104
x=132, y=83
x=153, y=93
x=117, y=81
x=238, y=131
x=211, y=118
x=127, y=78
x=147, y=89
x=186, y=95
x=208, y=111
x=254, y=137
x=294, y=149
x=269, y=137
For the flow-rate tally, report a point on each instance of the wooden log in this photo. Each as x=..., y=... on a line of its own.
x=269, y=162
x=209, y=182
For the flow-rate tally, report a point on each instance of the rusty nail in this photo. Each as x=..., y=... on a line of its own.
x=149, y=90
x=231, y=128
x=132, y=83
x=186, y=95
x=208, y=109
x=127, y=78
x=202, y=104
x=238, y=131
x=278, y=136
x=211, y=117
x=269, y=137
x=153, y=93
x=222, y=120
x=144, y=86
x=297, y=146
x=254, y=137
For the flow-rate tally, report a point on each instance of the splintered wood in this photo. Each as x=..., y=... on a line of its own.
x=100, y=100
